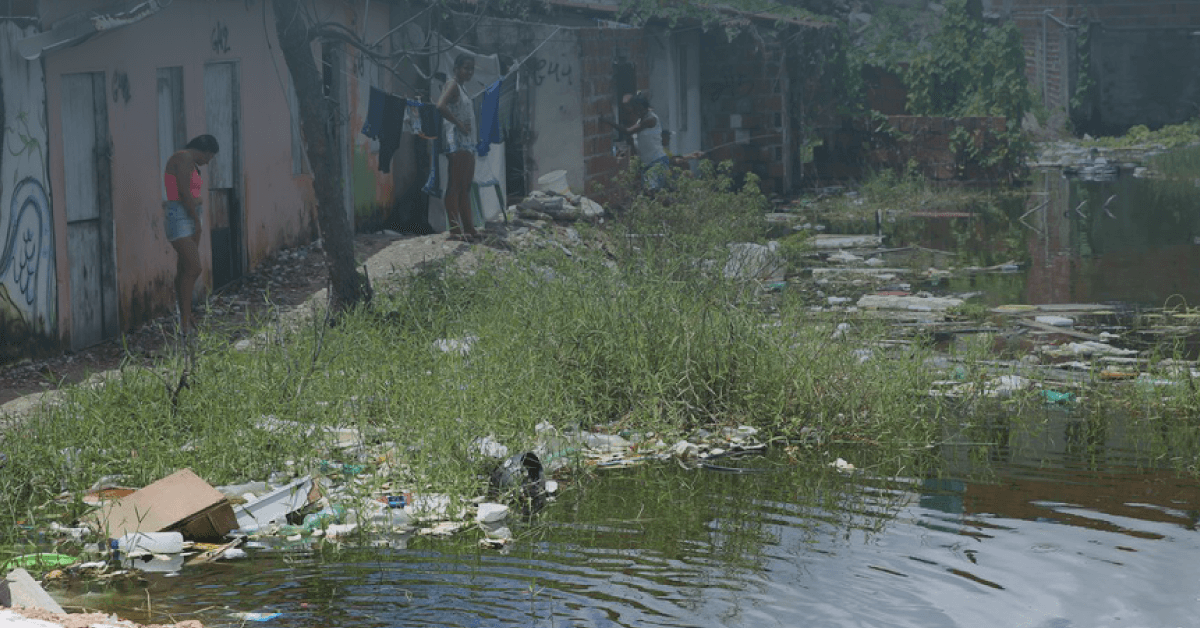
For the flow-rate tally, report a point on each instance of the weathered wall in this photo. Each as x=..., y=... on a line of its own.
x=601, y=50
x=1142, y=76
x=1140, y=56
x=278, y=205
x=549, y=96
x=859, y=146
x=28, y=282
x=742, y=106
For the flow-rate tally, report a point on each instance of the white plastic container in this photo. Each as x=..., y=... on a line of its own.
x=555, y=181
x=149, y=542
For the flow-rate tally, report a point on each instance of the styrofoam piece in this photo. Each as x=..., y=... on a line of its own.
x=276, y=505
x=491, y=513
x=839, y=241
x=434, y=506
x=912, y=303
x=149, y=542
x=1056, y=321
x=12, y=619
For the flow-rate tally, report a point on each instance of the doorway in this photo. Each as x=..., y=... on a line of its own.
x=87, y=179
x=222, y=104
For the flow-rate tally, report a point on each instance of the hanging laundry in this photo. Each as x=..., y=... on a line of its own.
x=431, y=120
x=392, y=127
x=374, y=124
x=433, y=185
x=489, y=124
x=412, y=118
x=431, y=125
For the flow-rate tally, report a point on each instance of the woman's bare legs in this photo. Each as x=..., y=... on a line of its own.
x=458, y=193
x=187, y=271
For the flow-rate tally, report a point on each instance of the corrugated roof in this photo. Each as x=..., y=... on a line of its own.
x=762, y=16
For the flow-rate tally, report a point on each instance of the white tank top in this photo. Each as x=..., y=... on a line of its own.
x=465, y=112
x=649, y=141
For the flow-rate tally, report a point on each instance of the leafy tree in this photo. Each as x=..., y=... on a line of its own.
x=972, y=70
x=969, y=70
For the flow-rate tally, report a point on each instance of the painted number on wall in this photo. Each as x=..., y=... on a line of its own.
x=543, y=69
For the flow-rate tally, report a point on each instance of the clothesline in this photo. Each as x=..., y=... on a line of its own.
x=512, y=69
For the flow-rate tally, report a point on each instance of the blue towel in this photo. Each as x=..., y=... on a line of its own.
x=489, y=126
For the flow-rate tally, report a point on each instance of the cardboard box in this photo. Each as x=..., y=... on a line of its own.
x=180, y=502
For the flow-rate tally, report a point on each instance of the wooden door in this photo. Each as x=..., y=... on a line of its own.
x=87, y=175
x=222, y=105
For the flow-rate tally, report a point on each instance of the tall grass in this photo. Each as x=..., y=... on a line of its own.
x=645, y=335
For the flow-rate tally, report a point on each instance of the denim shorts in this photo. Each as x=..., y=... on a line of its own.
x=179, y=224
x=654, y=174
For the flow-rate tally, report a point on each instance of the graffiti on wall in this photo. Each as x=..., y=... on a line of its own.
x=543, y=69
x=28, y=279
x=220, y=38
x=120, y=90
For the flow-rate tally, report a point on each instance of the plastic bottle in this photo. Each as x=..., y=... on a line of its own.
x=152, y=542
x=324, y=518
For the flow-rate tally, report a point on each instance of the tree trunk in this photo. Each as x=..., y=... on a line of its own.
x=349, y=288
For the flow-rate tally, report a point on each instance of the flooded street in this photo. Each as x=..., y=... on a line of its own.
x=1041, y=515
x=1062, y=526
x=1121, y=240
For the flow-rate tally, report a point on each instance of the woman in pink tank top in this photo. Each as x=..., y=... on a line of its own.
x=183, y=223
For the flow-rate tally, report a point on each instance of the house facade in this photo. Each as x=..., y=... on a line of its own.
x=1107, y=65
x=97, y=94
x=753, y=91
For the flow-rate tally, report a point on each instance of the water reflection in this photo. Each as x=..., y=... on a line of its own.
x=1129, y=240
x=1126, y=239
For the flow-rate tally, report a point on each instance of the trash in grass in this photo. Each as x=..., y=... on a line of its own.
x=255, y=616
x=180, y=502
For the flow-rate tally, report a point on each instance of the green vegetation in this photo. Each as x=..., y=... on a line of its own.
x=1140, y=136
x=710, y=13
x=641, y=333
x=972, y=70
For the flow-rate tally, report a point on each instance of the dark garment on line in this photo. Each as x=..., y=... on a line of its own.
x=374, y=123
x=433, y=185
x=392, y=129
x=431, y=120
x=431, y=127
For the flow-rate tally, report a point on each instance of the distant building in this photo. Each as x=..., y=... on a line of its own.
x=1110, y=64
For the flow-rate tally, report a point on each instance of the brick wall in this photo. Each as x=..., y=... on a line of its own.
x=1131, y=42
x=600, y=48
x=885, y=89
x=742, y=95
x=858, y=147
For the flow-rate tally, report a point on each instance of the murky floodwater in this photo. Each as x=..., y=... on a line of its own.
x=1068, y=524
x=1114, y=239
x=1081, y=522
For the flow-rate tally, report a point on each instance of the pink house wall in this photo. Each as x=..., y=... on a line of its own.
x=278, y=206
